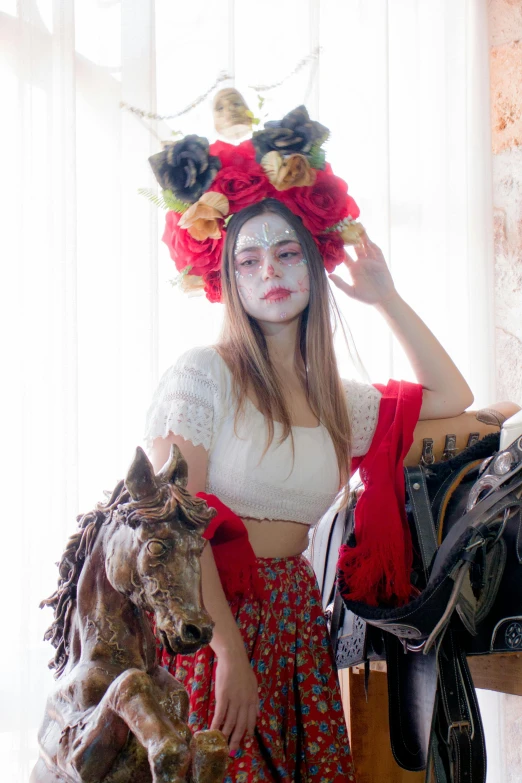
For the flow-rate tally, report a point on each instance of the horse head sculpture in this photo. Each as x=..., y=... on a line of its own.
x=115, y=715
x=154, y=548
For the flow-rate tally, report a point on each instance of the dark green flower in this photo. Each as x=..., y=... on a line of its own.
x=295, y=133
x=186, y=168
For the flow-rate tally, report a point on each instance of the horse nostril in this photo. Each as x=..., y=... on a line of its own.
x=191, y=633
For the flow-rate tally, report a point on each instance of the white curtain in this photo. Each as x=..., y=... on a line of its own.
x=89, y=319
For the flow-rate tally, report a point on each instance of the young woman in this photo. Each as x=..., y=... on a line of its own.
x=268, y=428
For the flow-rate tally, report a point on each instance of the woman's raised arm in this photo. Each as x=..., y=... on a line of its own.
x=446, y=392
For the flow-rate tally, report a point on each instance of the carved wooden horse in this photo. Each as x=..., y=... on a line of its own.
x=115, y=715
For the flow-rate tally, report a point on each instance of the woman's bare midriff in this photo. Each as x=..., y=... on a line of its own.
x=276, y=538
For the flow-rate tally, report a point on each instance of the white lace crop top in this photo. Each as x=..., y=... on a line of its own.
x=194, y=399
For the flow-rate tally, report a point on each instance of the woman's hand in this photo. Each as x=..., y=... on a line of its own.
x=372, y=281
x=237, y=700
x=446, y=392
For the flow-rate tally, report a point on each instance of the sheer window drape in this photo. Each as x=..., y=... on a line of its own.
x=89, y=318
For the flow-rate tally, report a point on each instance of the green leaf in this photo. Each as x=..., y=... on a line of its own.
x=317, y=157
x=167, y=200
x=173, y=203
x=153, y=197
x=255, y=120
x=325, y=138
x=177, y=280
x=337, y=227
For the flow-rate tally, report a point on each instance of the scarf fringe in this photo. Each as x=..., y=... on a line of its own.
x=377, y=570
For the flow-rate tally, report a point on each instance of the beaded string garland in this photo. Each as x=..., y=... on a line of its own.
x=204, y=184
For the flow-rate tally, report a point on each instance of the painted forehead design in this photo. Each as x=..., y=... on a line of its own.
x=265, y=238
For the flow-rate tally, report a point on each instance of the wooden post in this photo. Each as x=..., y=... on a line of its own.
x=368, y=722
x=369, y=729
x=498, y=672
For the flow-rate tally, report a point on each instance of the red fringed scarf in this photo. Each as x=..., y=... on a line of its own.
x=377, y=570
x=233, y=553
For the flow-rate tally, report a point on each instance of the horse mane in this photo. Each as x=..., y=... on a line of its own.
x=170, y=502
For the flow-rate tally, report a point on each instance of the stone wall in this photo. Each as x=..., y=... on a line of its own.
x=505, y=28
x=505, y=25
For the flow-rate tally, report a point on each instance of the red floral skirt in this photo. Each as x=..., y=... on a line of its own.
x=301, y=733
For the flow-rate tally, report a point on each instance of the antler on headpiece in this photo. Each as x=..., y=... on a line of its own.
x=204, y=184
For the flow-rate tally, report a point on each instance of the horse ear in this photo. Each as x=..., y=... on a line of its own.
x=175, y=470
x=140, y=480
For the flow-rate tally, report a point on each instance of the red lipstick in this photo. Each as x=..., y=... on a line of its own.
x=277, y=294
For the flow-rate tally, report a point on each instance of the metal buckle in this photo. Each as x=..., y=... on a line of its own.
x=427, y=456
x=475, y=544
x=414, y=647
x=481, y=541
x=460, y=725
x=502, y=527
x=450, y=447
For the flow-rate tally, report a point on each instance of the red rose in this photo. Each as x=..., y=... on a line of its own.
x=184, y=250
x=243, y=184
x=233, y=154
x=352, y=208
x=213, y=286
x=320, y=205
x=331, y=247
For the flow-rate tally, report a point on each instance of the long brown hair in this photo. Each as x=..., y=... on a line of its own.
x=243, y=347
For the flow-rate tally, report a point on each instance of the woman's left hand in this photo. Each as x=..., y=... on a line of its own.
x=372, y=281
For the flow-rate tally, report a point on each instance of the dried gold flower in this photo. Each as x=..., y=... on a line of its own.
x=201, y=220
x=272, y=162
x=293, y=172
x=192, y=284
x=352, y=233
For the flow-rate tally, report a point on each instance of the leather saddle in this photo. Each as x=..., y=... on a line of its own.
x=465, y=519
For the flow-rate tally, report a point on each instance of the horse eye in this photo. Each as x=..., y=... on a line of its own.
x=156, y=548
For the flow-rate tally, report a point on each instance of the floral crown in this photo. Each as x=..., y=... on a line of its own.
x=205, y=184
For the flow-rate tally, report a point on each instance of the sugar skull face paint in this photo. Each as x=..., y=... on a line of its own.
x=271, y=272
x=265, y=238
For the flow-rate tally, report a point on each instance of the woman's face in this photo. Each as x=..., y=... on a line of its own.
x=271, y=272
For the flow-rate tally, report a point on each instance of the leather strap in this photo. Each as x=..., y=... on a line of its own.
x=326, y=540
x=326, y=555
x=412, y=686
x=338, y=604
x=420, y=503
x=460, y=748
x=519, y=537
x=443, y=496
x=434, y=715
x=470, y=524
x=337, y=616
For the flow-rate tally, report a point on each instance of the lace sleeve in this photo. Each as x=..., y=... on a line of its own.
x=363, y=407
x=185, y=401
